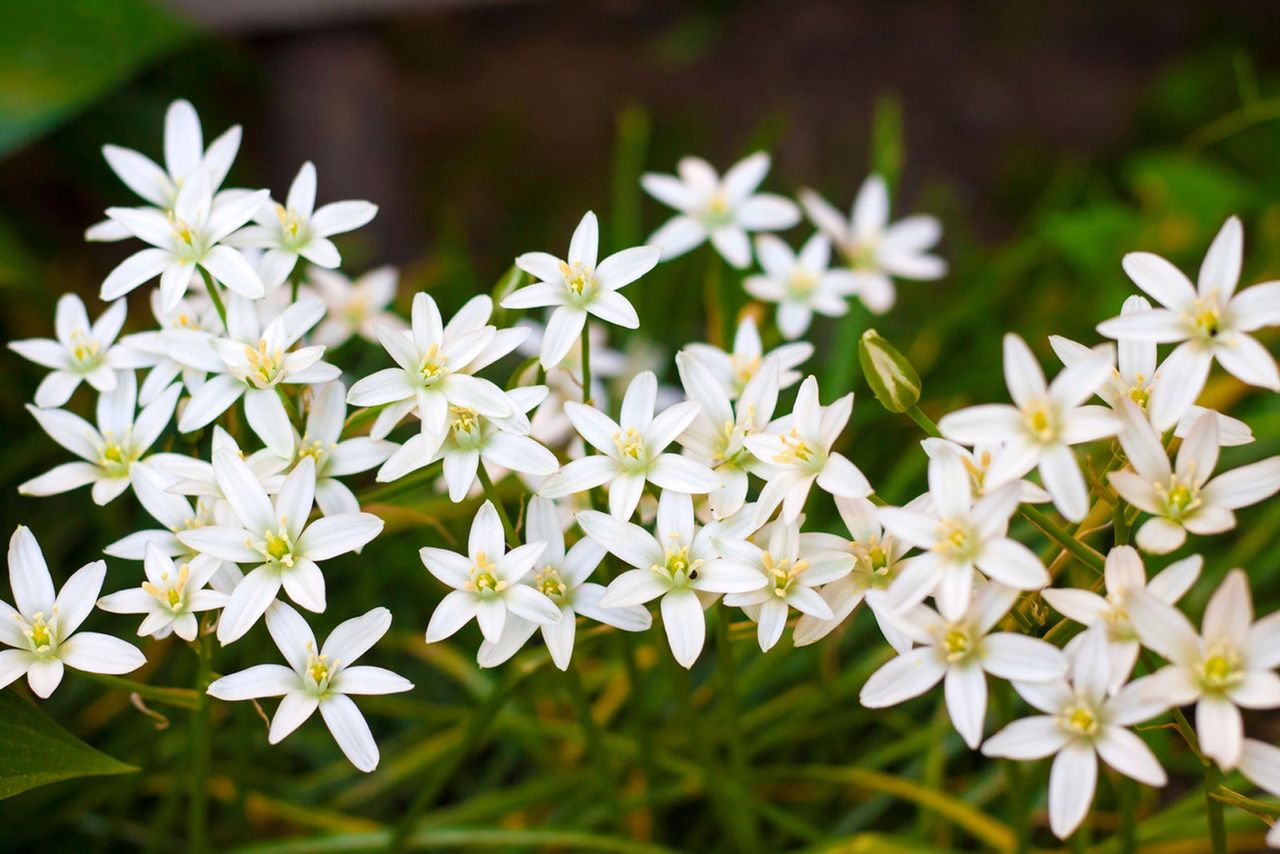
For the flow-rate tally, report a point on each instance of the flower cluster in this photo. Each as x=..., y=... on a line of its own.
x=698, y=499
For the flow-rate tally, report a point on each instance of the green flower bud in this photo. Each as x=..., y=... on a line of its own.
x=892, y=379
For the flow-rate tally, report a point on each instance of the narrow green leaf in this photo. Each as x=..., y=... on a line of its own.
x=35, y=751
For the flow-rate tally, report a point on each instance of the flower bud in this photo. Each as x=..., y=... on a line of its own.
x=892, y=379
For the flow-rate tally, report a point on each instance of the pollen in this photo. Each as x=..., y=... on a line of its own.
x=579, y=280
x=956, y=644
x=1080, y=720
x=434, y=366
x=483, y=578
x=548, y=582
x=265, y=363
x=630, y=444
x=795, y=449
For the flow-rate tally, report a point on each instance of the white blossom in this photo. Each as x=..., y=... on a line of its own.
x=734, y=369
x=171, y=596
x=800, y=283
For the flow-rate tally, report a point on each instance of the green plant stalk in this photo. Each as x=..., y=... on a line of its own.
x=486, y=483
x=593, y=741
x=739, y=787
x=183, y=698
x=1212, y=782
x=198, y=805
x=212, y=287
x=1128, y=823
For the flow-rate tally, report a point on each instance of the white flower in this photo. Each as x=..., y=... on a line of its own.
x=960, y=535
x=1184, y=498
x=474, y=440
x=107, y=452
x=334, y=456
x=187, y=237
x=1260, y=762
x=798, y=449
x=578, y=287
x=1123, y=573
x=41, y=629
x=354, y=308
x=1043, y=423
x=171, y=596
x=787, y=574
x=1135, y=376
x=485, y=582
x=298, y=228
x=1210, y=320
x=978, y=461
x=631, y=450
x=195, y=316
x=1079, y=724
x=184, y=153
x=878, y=557
x=319, y=677
x=800, y=284
x=81, y=351
x=677, y=563
x=276, y=538
x=562, y=577
x=716, y=437
x=874, y=248
x=193, y=476
x=961, y=650
x=252, y=362
x=1228, y=666
x=433, y=363
x=724, y=209
x=735, y=369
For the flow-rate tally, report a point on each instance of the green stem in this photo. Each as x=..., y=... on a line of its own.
x=593, y=739
x=925, y=422
x=1128, y=820
x=738, y=786
x=183, y=698
x=586, y=361
x=1120, y=524
x=492, y=494
x=198, y=813
x=214, y=294
x=1213, y=807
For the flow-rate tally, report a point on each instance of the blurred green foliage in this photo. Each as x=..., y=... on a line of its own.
x=501, y=759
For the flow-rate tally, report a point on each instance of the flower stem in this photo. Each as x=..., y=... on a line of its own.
x=586, y=360
x=198, y=812
x=491, y=493
x=183, y=698
x=592, y=738
x=925, y=422
x=1213, y=807
x=737, y=786
x=212, y=287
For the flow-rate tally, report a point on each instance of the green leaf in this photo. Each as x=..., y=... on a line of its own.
x=35, y=751
x=56, y=58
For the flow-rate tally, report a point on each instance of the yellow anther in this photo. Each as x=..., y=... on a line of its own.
x=795, y=449
x=290, y=222
x=630, y=444
x=1040, y=421
x=264, y=363
x=956, y=644
x=579, y=279
x=548, y=582
x=1080, y=719
x=433, y=366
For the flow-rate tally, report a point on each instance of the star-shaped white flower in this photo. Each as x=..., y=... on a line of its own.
x=334, y=456
x=1228, y=666
x=962, y=651
x=1043, y=423
x=184, y=153
x=562, y=577
x=298, y=228
x=1209, y=321
x=42, y=628
x=679, y=563
x=171, y=596
x=486, y=582
x=961, y=534
x=1123, y=574
x=354, y=308
x=319, y=677
x=716, y=437
x=275, y=538
x=108, y=451
x=878, y=557
x=433, y=363
x=874, y=248
x=788, y=574
x=735, y=369
x=1136, y=375
x=798, y=448
x=252, y=362
x=631, y=450
x=189, y=237
x=475, y=440
x=978, y=461
x=194, y=314
x=724, y=209
x=1184, y=498
x=82, y=352
x=1081, y=723
x=579, y=286
x=800, y=283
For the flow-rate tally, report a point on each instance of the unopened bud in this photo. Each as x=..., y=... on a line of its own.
x=892, y=379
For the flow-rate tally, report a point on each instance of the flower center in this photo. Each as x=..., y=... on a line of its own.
x=264, y=364
x=717, y=212
x=483, y=579
x=319, y=669
x=955, y=539
x=433, y=367
x=1206, y=317
x=678, y=567
x=290, y=223
x=783, y=573
x=277, y=548
x=801, y=283
x=548, y=582
x=744, y=368
x=40, y=634
x=795, y=451
x=170, y=595
x=630, y=445
x=579, y=280
x=1180, y=498
x=956, y=644
x=84, y=351
x=115, y=458
x=1220, y=669
x=313, y=448
x=1040, y=420
x=1079, y=720
x=464, y=424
